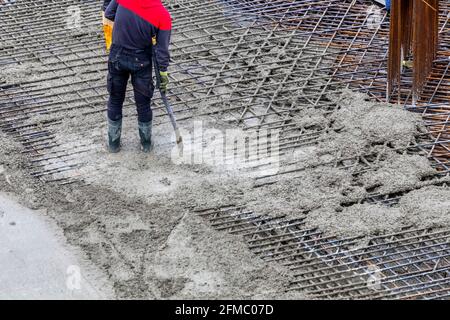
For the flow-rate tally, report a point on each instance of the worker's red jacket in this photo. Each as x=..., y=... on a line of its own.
x=136, y=22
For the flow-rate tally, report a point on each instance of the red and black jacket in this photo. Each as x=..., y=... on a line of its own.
x=136, y=22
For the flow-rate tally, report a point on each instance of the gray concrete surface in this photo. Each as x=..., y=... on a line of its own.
x=35, y=263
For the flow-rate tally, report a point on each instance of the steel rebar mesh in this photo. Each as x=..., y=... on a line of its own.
x=252, y=64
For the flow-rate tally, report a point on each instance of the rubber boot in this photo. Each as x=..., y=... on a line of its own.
x=145, y=132
x=114, y=133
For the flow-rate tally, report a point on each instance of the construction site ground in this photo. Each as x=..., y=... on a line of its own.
x=354, y=203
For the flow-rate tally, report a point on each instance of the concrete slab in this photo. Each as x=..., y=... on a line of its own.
x=35, y=263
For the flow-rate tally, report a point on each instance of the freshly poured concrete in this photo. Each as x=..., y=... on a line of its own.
x=35, y=263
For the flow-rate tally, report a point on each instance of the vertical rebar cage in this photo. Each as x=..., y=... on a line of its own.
x=289, y=54
x=413, y=35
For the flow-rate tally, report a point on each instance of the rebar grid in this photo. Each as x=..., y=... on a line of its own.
x=217, y=76
x=254, y=64
x=411, y=264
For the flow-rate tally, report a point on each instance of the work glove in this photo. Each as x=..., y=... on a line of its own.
x=108, y=26
x=164, y=81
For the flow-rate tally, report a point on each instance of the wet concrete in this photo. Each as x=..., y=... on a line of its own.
x=134, y=219
x=37, y=263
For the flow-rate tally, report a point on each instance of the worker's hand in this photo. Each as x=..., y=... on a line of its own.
x=407, y=64
x=108, y=30
x=164, y=81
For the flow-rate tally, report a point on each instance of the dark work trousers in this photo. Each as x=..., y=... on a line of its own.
x=123, y=63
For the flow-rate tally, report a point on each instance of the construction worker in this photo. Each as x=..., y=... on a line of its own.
x=385, y=3
x=135, y=23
